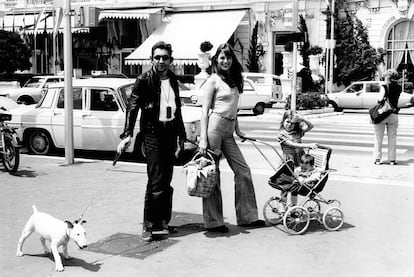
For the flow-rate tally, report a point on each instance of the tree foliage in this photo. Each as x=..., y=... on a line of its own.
x=253, y=61
x=304, y=51
x=14, y=52
x=355, y=57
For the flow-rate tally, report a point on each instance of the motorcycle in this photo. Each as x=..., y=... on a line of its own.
x=9, y=144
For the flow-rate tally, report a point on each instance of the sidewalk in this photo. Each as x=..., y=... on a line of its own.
x=375, y=240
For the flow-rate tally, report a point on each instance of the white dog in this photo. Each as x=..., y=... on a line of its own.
x=54, y=230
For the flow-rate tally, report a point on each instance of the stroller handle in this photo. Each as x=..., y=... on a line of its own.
x=244, y=138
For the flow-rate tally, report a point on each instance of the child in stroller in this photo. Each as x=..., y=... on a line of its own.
x=296, y=218
x=305, y=174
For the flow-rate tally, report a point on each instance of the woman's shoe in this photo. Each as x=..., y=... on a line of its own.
x=393, y=163
x=219, y=229
x=256, y=223
x=377, y=162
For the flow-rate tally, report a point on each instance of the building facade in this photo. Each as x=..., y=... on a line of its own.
x=109, y=39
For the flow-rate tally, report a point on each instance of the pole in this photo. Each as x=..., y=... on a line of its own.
x=67, y=48
x=293, y=94
x=332, y=47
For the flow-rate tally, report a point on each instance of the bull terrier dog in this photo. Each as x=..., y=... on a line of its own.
x=56, y=231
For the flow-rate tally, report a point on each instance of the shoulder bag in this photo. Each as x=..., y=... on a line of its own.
x=381, y=110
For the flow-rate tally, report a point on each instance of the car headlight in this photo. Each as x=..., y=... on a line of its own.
x=194, y=99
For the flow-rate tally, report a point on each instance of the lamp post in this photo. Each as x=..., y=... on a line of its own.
x=67, y=48
x=331, y=48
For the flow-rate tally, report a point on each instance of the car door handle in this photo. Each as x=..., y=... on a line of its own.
x=57, y=113
x=86, y=114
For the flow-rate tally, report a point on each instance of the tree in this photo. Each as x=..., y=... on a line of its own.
x=355, y=57
x=304, y=51
x=253, y=61
x=14, y=52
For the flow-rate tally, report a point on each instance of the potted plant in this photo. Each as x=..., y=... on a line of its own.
x=204, y=56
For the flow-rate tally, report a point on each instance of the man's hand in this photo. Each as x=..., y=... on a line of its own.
x=124, y=144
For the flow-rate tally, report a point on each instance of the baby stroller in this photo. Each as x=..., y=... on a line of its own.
x=296, y=219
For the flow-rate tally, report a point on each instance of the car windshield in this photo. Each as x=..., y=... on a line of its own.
x=34, y=83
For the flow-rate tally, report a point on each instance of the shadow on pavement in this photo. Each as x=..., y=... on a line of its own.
x=129, y=245
x=94, y=267
x=25, y=173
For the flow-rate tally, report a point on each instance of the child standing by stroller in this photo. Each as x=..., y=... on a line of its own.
x=292, y=128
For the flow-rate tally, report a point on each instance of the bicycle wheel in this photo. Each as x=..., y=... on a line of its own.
x=273, y=210
x=296, y=220
x=333, y=218
x=10, y=156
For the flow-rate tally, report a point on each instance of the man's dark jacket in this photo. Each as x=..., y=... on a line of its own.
x=146, y=96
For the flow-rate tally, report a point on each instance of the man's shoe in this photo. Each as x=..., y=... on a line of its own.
x=377, y=162
x=393, y=163
x=256, y=223
x=146, y=236
x=162, y=232
x=219, y=229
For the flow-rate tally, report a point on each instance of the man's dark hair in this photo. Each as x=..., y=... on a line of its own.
x=161, y=45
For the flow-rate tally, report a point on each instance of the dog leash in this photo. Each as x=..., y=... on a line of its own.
x=108, y=170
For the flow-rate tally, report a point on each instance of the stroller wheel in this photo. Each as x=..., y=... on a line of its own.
x=333, y=218
x=313, y=207
x=296, y=220
x=273, y=210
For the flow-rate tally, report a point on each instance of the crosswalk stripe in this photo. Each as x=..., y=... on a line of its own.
x=340, y=139
x=367, y=149
x=342, y=132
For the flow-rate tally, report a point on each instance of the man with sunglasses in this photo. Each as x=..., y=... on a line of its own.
x=156, y=94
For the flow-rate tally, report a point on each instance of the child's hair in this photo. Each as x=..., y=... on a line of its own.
x=306, y=158
x=290, y=114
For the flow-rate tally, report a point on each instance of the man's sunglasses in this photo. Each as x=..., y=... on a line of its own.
x=164, y=57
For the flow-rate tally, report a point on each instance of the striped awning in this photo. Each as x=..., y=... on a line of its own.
x=26, y=22
x=186, y=31
x=128, y=14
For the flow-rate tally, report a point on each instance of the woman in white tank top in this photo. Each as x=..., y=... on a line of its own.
x=218, y=123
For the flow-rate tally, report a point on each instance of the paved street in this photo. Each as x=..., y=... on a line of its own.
x=375, y=240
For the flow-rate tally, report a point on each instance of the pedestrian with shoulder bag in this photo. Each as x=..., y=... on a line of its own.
x=387, y=117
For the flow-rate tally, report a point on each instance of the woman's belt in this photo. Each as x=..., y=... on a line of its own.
x=231, y=118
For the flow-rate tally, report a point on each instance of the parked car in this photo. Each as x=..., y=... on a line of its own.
x=266, y=84
x=364, y=95
x=6, y=104
x=99, y=107
x=250, y=99
x=32, y=91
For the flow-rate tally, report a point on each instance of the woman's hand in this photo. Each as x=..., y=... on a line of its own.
x=240, y=134
x=202, y=147
x=202, y=150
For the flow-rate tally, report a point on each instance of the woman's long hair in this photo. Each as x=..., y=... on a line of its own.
x=234, y=76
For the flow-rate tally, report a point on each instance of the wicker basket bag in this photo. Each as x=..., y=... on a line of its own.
x=201, y=175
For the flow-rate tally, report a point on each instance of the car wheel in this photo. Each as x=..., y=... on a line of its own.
x=259, y=108
x=40, y=142
x=335, y=106
x=26, y=100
